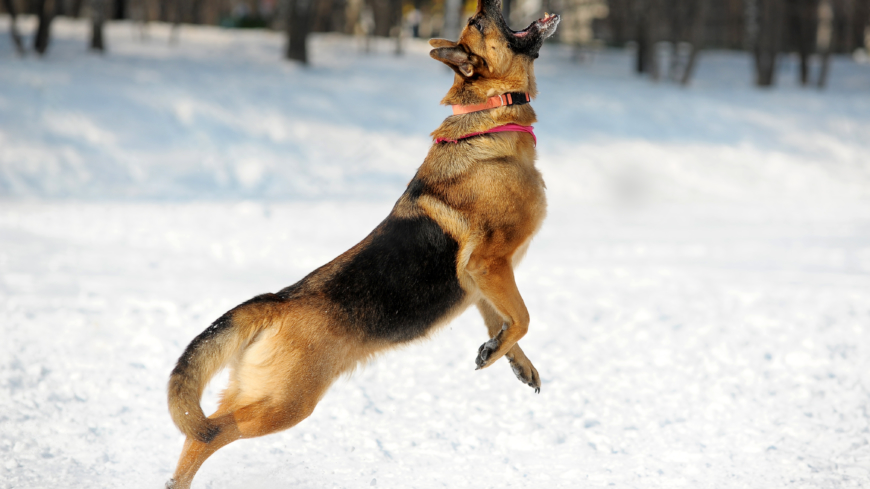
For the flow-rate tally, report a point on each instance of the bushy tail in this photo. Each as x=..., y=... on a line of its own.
x=203, y=358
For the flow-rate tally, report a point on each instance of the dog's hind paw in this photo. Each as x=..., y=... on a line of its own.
x=485, y=352
x=527, y=374
x=170, y=484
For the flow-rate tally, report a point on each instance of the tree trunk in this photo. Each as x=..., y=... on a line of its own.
x=196, y=12
x=652, y=42
x=381, y=13
x=120, y=11
x=698, y=24
x=98, y=16
x=163, y=10
x=849, y=13
x=13, y=27
x=297, y=26
x=396, y=29
x=642, y=37
x=388, y=14
x=768, y=40
x=647, y=60
x=45, y=11
x=803, y=20
x=322, y=16
x=451, y=19
x=676, y=15
x=619, y=21
x=825, y=39
x=176, y=21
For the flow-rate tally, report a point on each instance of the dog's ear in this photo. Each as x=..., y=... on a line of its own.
x=441, y=43
x=456, y=58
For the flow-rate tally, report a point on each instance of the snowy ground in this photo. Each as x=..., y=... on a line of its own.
x=700, y=294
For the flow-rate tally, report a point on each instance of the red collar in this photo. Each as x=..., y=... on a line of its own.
x=505, y=128
x=513, y=98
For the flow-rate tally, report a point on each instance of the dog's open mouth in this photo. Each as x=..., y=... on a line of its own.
x=544, y=26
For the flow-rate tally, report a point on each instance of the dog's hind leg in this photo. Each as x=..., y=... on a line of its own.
x=196, y=452
x=519, y=362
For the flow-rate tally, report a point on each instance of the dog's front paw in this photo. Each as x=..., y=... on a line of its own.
x=485, y=352
x=527, y=374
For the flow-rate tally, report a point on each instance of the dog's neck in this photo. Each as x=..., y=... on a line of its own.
x=456, y=126
x=475, y=90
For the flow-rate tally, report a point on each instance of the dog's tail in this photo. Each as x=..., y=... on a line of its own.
x=204, y=357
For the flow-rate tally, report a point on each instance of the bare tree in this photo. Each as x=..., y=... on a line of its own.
x=77, y=8
x=323, y=17
x=506, y=10
x=177, y=19
x=98, y=17
x=46, y=11
x=676, y=14
x=13, y=27
x=697, y=38
x=802, y=22
x=451, y=19
x=767, y=19
x=619, y=21
x=824, y=40
x=643, y=36
x=386, y=13
x=120, y=10
x=163, y=9
x=297, y=25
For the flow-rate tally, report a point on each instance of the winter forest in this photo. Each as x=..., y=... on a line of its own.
x=699, y=291
x=767, y=28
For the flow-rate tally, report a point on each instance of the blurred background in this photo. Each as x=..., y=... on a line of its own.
x=765, y=28
x=205, y=98
x=699, y=292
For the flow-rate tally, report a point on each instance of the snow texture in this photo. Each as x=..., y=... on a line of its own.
x=699, y=294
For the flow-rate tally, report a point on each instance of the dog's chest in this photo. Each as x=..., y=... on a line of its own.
x=509, y=205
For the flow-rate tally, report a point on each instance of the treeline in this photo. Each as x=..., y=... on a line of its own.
x=676, y=30
x=668, y=34
x=297, y=17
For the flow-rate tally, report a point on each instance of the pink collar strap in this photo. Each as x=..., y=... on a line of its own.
x=512, y=98
x=505, y=128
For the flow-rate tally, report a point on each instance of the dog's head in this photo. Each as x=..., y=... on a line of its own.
x=490, y=58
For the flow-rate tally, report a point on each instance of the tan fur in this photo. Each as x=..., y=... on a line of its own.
x=485, y=193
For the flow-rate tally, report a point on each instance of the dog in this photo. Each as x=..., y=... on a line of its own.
x=452, y=240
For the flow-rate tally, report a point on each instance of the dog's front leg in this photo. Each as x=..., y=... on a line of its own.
x=495, y=278
x=519, y=362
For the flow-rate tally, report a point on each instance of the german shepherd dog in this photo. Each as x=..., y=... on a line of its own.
x=452, y=240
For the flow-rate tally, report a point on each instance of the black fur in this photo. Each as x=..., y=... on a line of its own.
x=400, y=282
x=415, y=189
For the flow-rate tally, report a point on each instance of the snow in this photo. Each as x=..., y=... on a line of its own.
x=700, y=292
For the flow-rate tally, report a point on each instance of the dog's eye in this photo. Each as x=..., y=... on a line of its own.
x=475, y=23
